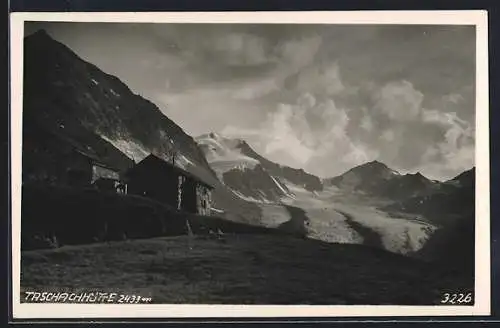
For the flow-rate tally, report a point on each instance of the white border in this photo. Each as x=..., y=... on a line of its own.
x=482, y=283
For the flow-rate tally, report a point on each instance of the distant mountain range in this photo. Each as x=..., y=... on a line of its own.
x=376, y=179
x=412, y=193
x=444, y=203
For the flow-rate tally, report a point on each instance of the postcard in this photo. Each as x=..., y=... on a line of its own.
x=250, y=164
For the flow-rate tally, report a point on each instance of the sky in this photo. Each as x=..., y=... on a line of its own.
x=320, y=97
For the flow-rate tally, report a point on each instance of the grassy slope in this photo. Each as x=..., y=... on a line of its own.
x=242, y=269
x=85, y=216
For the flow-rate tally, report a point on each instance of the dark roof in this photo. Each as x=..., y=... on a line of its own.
x=101, y=152
x=95, y=160
x=64, y=137
x=152, y=159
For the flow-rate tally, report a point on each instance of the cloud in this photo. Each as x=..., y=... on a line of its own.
x=454, y=98
x=323, y=119
x=320, y=78
x=299, y=52
x=238, y=48
x=456, y=148
x=447, y=166
x=408, y=136
x=307, y=133
x=314, y=129
x=436, y=142
x=388, y=135
x=287, y=134
x=255, y=89
x=399, y=100
x=366, y=123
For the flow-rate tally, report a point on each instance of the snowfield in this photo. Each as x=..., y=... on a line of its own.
x=330, y=212
x=325, y=223
x=397, y=235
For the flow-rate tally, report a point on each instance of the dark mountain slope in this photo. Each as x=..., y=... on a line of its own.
x=466, y=178
x=62, y=90
x=47, y=152
x=452, y=208
x=452, y=199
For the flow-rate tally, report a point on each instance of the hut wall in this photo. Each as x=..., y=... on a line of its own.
x=188, y=192
x=204, y=199
x=180, y=183
x=78, y=170
x=162, y=187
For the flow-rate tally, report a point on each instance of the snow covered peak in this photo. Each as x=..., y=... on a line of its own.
x=223, y=153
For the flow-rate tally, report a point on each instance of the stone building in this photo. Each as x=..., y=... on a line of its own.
x=158, y=179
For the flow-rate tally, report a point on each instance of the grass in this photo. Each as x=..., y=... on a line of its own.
x=240, y=269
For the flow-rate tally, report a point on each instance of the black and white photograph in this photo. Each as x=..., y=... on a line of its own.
x=252, y=164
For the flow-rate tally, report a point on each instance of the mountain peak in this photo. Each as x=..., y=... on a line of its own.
x=466, y=177
x=470, y=171
x=375, y=162
x=420, y=176
x=224, y=151
x=377, y=179
x=374, y=165
x=364, y=174
x=41, y=42
x=40, y=34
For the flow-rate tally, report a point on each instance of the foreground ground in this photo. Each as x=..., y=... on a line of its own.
x=240, y=269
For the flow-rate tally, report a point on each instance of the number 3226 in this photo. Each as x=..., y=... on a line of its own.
x=456, y=298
